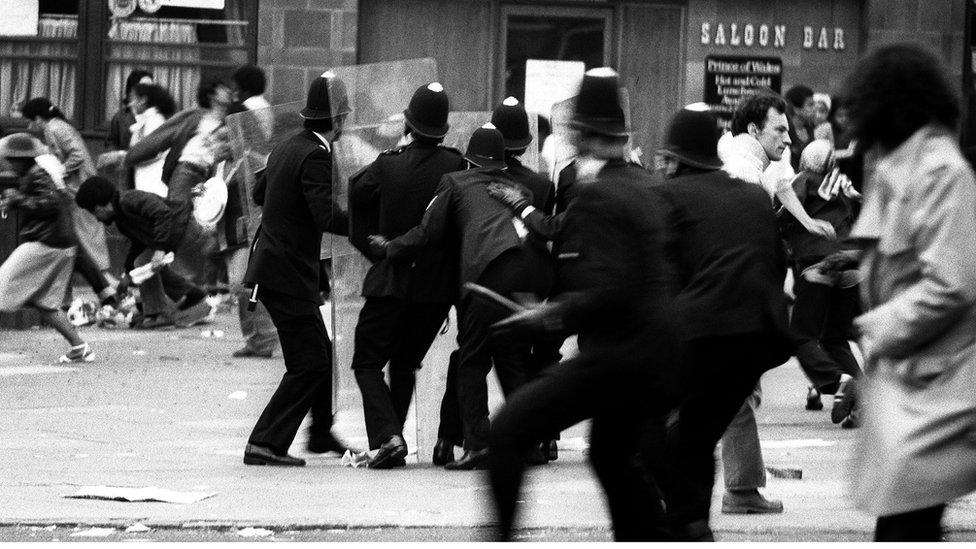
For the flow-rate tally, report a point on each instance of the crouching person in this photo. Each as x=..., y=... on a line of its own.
x=154, y=226
x=38, y=271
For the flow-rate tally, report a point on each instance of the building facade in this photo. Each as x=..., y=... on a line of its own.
x=669, y=52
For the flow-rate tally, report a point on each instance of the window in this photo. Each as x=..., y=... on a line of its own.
x=564, y=34
x=179, y=43
x=45, y=64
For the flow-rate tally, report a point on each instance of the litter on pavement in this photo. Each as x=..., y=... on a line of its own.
x=148, y=493
x=355, y=459
x=254, y=532
x=93, y=533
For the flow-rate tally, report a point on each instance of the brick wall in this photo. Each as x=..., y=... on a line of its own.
x=299, y=39
x=939, y=24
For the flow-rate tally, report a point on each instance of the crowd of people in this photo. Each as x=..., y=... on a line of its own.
x=157, y=161
x=815, y=224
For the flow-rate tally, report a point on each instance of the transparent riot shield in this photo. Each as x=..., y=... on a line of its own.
x=370, y=100
x=253, y=134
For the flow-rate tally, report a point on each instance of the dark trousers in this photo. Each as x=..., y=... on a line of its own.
x=821, y=323
x=449, y=427
x=307, y=383
x=88, y=269
x=919, y=525
x=399, y=332
x=620, y=393
x=517, y=270
x=719, y=373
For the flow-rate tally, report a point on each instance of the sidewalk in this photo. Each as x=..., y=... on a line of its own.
x=171, y=409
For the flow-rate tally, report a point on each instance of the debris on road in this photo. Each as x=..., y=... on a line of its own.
x=254, y=532
x=93, y=533
x=237, y=395
x=149, y=493
x=785, y=472
x=355, y=459
x=170, y=358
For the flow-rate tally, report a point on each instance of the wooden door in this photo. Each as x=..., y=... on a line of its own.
x=457, y=34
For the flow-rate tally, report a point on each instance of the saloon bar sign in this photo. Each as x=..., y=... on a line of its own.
x=770, y=36
x=728, y=79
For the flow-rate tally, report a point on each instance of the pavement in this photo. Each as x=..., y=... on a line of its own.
x=171, y=409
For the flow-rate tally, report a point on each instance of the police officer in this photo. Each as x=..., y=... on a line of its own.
x=511, y=119
x=610, y=268
x=496, y=251
x=406, y=302
x=284, y=273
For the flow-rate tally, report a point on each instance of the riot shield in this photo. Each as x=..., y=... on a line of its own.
x=253, y=134
x=369, y=101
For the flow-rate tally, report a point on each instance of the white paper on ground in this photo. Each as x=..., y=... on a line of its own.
x=798, y=443
x=148, y=493
x=94, y=533
x=254, y=532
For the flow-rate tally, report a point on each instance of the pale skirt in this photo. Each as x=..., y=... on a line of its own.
x=35, y=274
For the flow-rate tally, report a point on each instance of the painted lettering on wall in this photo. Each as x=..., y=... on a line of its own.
x=734, y=35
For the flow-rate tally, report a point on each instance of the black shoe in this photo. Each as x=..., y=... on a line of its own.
x=391, y=454
x=813, y=399
x=552, y=452
x=247, y=352
x=471, y=460
x=259, y=455
x=443, y=452
x=320, y=444
x=845, y=400
x=537, y=455
x=191, y=298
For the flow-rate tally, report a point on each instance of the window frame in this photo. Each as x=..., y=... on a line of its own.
x=93, y=59
x=595, y=11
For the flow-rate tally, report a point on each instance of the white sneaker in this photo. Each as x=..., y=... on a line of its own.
x=78, y=353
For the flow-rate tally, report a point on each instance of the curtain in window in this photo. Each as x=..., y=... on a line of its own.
x=181, y=80
x=22, y=79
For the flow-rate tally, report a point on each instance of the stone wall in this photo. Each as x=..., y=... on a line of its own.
x=299, y=39
x=939, y=24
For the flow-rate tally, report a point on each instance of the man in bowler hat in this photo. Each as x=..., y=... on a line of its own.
x=284, y=273
x=729, y=309
x=406, y=302
x=609, y=264
x=496, y=251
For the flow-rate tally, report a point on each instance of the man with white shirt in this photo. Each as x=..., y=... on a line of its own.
x=754, y=152
x=496, y=251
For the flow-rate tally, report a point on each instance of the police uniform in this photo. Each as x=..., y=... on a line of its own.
x=284, y=271
x=406, y=302
x=610, y=268
x=494, y=252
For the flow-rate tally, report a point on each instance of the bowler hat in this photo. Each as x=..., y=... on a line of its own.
x=327, y=98
x=486, y=148
x=693, y=138
x=21, y=145
x=598, y=108
x=427, y=113
x=511, y=119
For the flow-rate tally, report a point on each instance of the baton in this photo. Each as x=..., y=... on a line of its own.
x=252, y=303
x=494, y=297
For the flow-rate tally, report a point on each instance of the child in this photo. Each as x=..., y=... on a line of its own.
x=38, y=271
